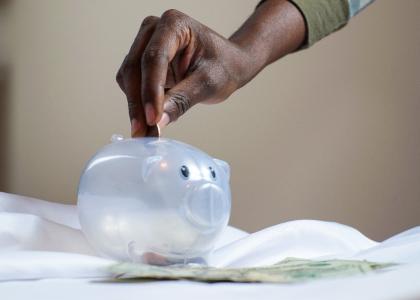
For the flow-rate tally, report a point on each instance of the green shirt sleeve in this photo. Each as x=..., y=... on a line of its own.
x=322, y=17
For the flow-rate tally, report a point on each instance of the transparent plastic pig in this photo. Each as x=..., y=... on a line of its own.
x=154, y=200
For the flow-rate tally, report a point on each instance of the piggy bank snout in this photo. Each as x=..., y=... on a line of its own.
x=207, y=205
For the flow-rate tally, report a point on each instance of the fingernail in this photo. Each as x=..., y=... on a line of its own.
x=135, y=127
x=164, y=120
x=150, y=114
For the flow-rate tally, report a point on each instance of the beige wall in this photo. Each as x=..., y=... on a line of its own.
x=4, y=90
x=329, y=133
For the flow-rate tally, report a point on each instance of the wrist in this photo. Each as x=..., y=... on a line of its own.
x=275, y=29
x=248, y=63
x=254, y=54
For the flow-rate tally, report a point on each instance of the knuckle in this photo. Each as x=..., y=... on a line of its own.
x=171, y=14
x=121, y=74
x=210, y=82
x=173, y=17
x=119, y=77
x=178, y=105
x=149, y=20
x=132, y=105
x=153, y=55
x=129, y=63
x=127, y=66
x=133, y=108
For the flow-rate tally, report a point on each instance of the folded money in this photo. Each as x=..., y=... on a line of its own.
x=288, y=270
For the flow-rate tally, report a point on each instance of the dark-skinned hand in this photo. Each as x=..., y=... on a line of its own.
x=176, y=62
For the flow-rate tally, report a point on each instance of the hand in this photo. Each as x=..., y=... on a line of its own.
x=174, y=63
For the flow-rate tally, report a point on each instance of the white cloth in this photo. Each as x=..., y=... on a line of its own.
x=39, y=239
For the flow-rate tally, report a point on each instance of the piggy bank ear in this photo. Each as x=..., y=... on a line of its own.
x=148, y=165
x=224, y=166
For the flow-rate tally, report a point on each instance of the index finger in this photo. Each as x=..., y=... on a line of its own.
x=129, y=76
x=167, y=40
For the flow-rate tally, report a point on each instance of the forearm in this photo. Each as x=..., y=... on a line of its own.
x=278, y=27
x=275, y=29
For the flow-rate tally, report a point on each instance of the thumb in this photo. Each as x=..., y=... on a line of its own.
x=181, y=98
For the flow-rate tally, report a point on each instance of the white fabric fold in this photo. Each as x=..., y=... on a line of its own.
x=25, y=265
x=303, y=239
x=40, y=239
x=29, y=232
x=59, y=213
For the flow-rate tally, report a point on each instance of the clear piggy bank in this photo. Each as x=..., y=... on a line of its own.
x=154, y=200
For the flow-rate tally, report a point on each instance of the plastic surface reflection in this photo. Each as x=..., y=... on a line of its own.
x=155, y=201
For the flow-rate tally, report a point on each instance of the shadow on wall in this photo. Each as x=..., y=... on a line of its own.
x=4, y=115
x=4, y=127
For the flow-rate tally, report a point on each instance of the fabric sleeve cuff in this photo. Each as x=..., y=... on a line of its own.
x=322, y=17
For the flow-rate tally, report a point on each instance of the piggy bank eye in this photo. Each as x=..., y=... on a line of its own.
x=185, y=172
x=212, y=172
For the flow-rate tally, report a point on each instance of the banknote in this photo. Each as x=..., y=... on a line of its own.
x=287, y=271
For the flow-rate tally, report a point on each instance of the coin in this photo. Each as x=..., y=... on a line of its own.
x=153, y=131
